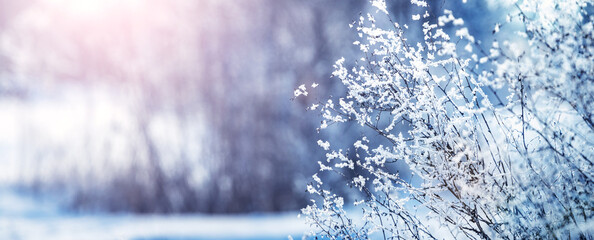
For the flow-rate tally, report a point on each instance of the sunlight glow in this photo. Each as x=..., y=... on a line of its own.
x=93, y=7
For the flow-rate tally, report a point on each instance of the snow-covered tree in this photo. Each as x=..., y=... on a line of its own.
x=498, y=133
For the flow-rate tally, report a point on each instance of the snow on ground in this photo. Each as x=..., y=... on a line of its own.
x=24, y=217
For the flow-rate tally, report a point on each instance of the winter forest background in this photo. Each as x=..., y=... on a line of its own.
x=160, y=107
x=165, y=106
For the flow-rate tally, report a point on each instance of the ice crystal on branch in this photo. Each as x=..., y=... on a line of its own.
x=499, y=141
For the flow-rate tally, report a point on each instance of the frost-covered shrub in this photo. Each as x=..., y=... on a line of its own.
x=498, y=134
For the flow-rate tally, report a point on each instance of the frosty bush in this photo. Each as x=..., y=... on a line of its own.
x=498, y=134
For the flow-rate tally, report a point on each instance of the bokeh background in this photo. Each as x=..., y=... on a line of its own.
x=167, y=107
